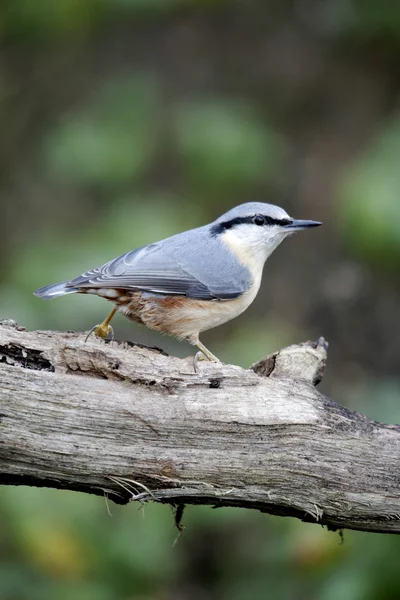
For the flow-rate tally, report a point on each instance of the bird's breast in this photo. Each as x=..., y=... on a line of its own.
x=181, y=316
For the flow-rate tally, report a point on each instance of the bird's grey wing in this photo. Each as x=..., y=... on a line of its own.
x=150, y=269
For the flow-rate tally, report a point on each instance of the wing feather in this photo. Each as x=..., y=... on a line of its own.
x=150, y=269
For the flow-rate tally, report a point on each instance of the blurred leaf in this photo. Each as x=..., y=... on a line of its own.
x=50, y=18
x=55, y=20
x=111, y=139
x=74, y=547
x=225, y=144
x=355, y=19
x=147, y=5
x=377, y=19
x=311, y=548
x=346, y=584
x=369, y=210
x=57, y=550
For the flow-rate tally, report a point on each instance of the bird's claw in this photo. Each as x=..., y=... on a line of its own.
x=102, y=331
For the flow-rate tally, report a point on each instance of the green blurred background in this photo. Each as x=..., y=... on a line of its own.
x=125, y=121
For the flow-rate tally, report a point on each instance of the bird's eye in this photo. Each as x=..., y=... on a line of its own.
x=258, y=220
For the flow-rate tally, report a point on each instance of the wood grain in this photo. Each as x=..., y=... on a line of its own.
x=136, y=424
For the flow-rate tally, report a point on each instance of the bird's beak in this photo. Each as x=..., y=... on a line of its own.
x=298, y=225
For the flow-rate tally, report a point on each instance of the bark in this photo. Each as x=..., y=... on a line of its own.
x=135, y=424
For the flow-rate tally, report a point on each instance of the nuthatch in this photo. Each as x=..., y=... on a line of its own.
x=192, y=281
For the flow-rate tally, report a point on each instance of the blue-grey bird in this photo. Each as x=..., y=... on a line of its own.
x=192, y=281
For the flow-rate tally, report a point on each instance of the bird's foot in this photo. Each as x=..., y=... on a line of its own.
x=102, y=331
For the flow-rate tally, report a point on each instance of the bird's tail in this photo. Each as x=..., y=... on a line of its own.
x=57, y=289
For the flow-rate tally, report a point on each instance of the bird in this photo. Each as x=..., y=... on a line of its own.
x=193, y=281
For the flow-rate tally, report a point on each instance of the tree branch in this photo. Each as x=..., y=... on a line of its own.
x=133, y=423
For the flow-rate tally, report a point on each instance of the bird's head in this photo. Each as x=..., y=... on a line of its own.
x=256, y=229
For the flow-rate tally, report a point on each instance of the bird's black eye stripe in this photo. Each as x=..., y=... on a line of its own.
x=219, y=228
x=281, y=222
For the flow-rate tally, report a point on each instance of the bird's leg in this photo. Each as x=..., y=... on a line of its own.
x=204, y=353
x=103, y=329
x=209, y=355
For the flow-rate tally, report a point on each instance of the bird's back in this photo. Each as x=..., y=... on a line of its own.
x=194, y=263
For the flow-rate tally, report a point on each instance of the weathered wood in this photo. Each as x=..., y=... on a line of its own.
x=136, y=424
